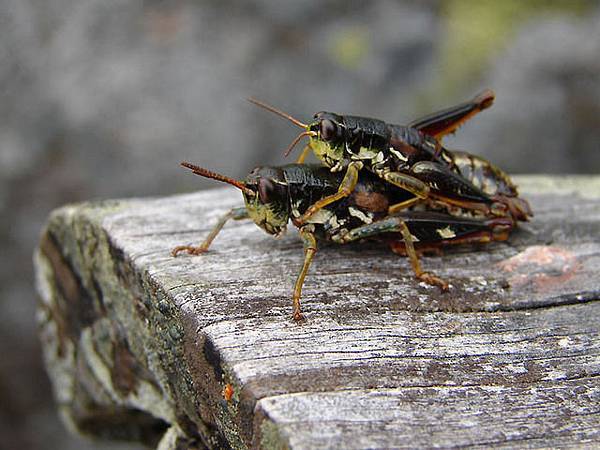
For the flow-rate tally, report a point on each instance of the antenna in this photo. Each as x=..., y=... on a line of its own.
x=217, y=176
x=278, y=112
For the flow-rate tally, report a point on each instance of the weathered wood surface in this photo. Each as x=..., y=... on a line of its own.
x=139, y=345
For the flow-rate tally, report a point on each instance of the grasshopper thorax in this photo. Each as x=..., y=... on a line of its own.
x=269, y=206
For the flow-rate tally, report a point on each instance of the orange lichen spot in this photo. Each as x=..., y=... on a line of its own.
x=542, y=267
x=227, y=392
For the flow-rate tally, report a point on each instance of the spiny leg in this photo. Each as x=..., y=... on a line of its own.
x=346, y=187
x=305, y=152
x=310, y=248
x=450, y=188
x=479, y=237
x=403, y=205
x=235, y=214
x=451, y=183
x=416, y=264
x=441, y=123
x=465, y=204
x=465, y=231
x=395, y=224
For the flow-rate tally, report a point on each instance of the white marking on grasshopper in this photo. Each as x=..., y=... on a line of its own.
x=366, y=218
x=446, y=233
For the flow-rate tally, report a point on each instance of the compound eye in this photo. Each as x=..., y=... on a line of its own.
x=328, y=129
x=265, y=190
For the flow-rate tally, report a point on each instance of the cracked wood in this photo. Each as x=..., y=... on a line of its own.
x=141, y=345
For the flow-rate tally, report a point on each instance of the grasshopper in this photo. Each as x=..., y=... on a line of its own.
x=275, y=195
x=411, y=158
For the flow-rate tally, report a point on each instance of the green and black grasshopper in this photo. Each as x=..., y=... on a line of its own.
x=411, y=158
x=275, y=195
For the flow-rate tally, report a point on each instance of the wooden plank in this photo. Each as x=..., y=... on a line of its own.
x=473, y=380
x=138, y=342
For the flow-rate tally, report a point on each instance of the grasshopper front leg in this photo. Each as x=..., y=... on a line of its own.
x=394, y=224
x=235, y=214
x=346, y=187
x=310, y=248
x=305, y=152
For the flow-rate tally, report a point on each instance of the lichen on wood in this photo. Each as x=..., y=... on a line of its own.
x=140, y=345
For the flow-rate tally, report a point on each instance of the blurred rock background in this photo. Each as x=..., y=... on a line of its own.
x=103, y=98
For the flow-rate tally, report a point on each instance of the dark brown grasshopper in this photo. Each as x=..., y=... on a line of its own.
x=275, y=195
x=411, y=158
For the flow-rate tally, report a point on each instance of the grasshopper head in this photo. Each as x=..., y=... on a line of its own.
x=268, y=207
x=327, y=138
x=326, y=134
x=327, y=126
x=265, y=194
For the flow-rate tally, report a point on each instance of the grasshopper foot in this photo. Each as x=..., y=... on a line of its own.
x=434, y=281
x=190, y=249
x=298, y=316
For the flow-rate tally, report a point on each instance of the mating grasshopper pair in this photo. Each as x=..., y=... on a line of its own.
x=380, y=181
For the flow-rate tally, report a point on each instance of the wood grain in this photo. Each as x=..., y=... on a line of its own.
x=140, y=345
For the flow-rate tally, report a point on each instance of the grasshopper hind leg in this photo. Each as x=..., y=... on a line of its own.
x=418, y=188
x=427, y=277
x=395, y=224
